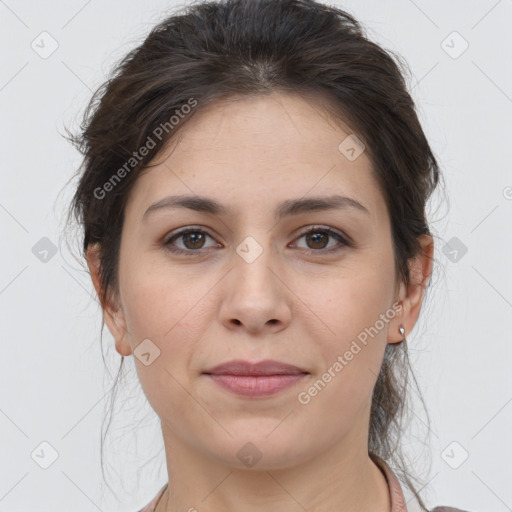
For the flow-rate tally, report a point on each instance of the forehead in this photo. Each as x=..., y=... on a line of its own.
x=263, y=122
x=246, y=149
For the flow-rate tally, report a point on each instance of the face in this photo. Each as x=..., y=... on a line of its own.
x=260, y=279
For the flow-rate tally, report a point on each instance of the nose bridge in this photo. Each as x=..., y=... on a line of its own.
x=255, y=297
x=253, y=260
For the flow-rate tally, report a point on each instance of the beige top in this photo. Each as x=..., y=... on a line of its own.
x=398, y=503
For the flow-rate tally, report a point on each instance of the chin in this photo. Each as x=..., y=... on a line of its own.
x=263, y=452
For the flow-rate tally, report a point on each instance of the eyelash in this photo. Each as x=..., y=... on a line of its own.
x=191, y=252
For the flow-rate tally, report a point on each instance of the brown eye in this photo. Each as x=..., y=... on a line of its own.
x=192, y=240
x=317, y=240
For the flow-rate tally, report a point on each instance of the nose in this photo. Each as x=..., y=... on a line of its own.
x=255, y=296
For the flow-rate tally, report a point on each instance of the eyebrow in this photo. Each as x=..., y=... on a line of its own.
x=284, y=209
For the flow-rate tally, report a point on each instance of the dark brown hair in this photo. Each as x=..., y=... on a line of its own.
x=216, y=50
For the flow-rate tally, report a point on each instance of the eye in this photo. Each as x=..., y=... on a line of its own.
x=318, y=237
x=192, y=238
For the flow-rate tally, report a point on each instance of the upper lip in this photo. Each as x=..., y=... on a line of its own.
x=266, y=367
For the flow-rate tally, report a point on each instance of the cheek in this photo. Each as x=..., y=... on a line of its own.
x=160, y=301
x=348, y=306
x=351, y=355
x=173, y=317
x=354, y=333
x=173, y=311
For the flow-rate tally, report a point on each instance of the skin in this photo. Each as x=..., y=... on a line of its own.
x=304, y=309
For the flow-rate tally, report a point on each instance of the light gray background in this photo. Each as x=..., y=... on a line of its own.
x=53, y=382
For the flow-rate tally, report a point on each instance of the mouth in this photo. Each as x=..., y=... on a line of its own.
x=261, y=379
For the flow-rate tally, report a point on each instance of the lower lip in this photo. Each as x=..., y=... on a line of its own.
x=250, y=385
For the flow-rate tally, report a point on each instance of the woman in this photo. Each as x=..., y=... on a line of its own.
x=252, y=200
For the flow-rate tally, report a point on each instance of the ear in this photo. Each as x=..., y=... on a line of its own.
x=420, y=270
x=112, y=313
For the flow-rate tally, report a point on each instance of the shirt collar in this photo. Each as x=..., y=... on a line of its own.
x=395, y=490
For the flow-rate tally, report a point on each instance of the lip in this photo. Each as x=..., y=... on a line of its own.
x=256, y=386
x=262, y=368
x=260, y=379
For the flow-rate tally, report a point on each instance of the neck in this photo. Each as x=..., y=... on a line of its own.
x=342, y=479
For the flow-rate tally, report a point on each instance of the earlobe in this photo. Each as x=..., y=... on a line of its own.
x=112, y=313
x=397, y=331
